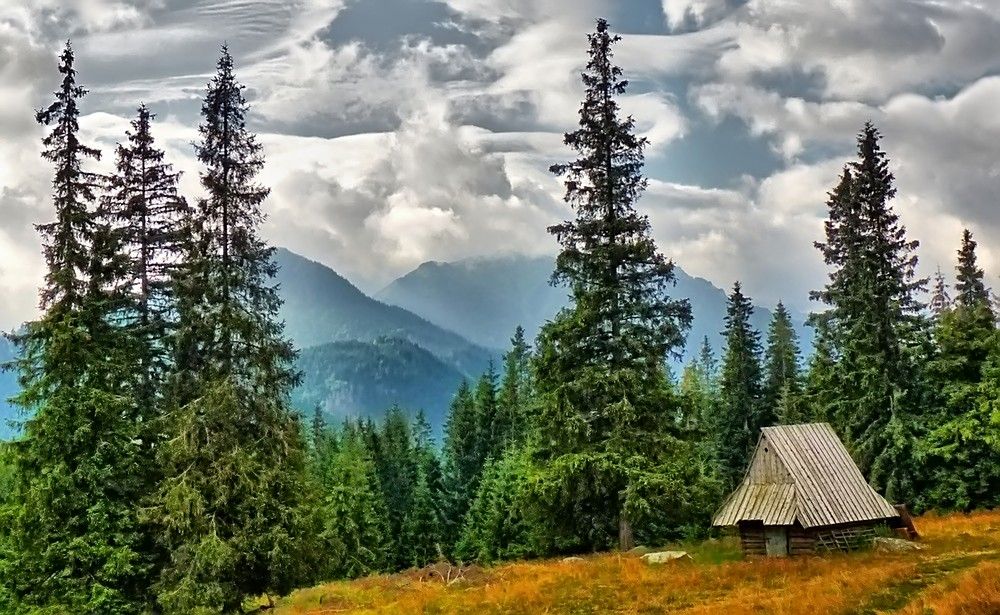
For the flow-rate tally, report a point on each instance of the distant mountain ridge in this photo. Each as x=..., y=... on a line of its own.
x=484, y=299
x=321, y=306
x=359, y=356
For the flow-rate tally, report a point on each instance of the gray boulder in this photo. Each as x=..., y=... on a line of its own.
x=895, y=545
x=662, y=557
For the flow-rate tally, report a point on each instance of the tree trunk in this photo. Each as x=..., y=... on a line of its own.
x=625, y=539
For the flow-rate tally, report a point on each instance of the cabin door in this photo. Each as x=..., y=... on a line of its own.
x=776, y=541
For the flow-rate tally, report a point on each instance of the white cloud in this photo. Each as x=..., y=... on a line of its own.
x=680, y=13
x=864, y=50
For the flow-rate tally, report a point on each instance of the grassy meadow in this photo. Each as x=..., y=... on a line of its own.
x=958, y=572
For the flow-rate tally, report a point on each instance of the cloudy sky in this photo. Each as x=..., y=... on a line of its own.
x=400, y=131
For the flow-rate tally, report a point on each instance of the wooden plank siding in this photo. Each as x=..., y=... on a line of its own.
x=753, y=542
x=752, y=538
x=766, y=467
x=801, y=541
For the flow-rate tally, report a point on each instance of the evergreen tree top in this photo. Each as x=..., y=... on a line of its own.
x=618, y=278
x=940, y=300
x=738, y=308
x=969, y=286
x=66, y=240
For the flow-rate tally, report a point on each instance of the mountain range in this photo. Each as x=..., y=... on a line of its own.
x=414, y=342
x=485, y=299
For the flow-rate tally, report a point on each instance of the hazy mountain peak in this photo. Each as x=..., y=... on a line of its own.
x=485, y=298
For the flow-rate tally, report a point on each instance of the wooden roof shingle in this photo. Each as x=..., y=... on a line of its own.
x=827, y=487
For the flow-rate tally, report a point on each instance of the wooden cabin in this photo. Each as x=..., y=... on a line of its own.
x=802, y=492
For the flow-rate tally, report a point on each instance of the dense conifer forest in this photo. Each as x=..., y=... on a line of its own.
x=162, y=468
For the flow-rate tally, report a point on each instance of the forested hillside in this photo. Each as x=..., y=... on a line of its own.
x=364, y=379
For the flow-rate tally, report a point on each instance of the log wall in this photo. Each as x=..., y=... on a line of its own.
x=752, y=539
x=800, y=541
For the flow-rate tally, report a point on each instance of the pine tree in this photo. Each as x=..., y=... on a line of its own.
x=781, y=368
x=821, y=391
x=969, y=284
x=940, y=299
x=875, y=318
x=741, y=413
x=514, y=396
x=429, y=463
x=709, y=365
x=149, y=216
x=397, y=464
x=605, y=399
x=959, y=441
x=489, y=417
x=462, y=459
x=230, y=509
x=504, y=522
x=76, y=540
x=355, y=520
x=696, y=398
x=421, y=542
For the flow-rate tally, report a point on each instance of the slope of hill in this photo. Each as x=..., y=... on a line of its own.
x=485, y=299
x=321, y=306
x=364, y=379
x=956, y=571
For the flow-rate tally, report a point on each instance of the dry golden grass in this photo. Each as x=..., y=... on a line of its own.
x=974, y=592
x=954, y=574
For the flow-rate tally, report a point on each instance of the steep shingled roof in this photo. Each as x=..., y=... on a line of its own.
x=817, y=484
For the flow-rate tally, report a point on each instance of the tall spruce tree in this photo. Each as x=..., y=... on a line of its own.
x=76, y=539
x=696, y=398
x=513, y=397
x=355, y=522
x=940, y=300
x=422, y=540
x=148, y=216
x=463, y=462
x=708, y=364
x=962, y=436
x=782, y=383
x=605, y=401
x=488, y=414
x=229, y=509
x=875, y=320
x=397, y=462
x=741, y=413
x=969, y=286
x=820, y=392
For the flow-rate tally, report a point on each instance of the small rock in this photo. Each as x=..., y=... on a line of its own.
x=570, y=560
x=639, y=550
x=662, y=557
x=895, y=545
